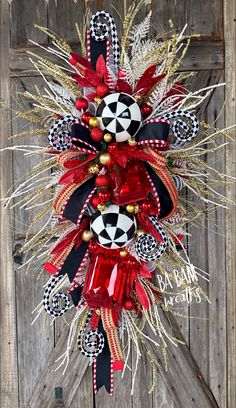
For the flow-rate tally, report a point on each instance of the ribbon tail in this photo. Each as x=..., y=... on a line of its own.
x=103, y=367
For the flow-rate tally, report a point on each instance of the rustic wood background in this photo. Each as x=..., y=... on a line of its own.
x=201, y=374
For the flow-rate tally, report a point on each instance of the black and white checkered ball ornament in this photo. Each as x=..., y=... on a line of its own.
x=113, y=228
x=120, y=116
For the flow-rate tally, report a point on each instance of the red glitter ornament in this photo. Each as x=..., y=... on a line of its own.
x=146, y=206
x=86, y=116
x=96, y=134
x=129, y=304
x=72, y=61
x=81, y=104
x=104, y=196
x=102, y=181
x=102, y=90
x=146, y=110
x=95, y=201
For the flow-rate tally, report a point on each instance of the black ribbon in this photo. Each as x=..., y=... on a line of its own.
x=76, y=201
x=153, y=131
x=164, y=196
x=71, y=266
x=82, y=134
x=97, y=48
x=103, y=371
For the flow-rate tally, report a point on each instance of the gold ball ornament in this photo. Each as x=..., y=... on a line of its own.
x=94, y=122
x=107, y=137
x=97, y=100
x=123, y=253
x=139, y=232
x=86, y=235
x=105, y=158
x=93, y=169
x=132, y=142
x=138, y=98
x=101, y=207
x=130, y=208
x=136, y=210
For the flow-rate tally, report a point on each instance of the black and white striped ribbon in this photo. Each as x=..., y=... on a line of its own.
x=90, y=342
x=147, y=247
x=179, y=183
x=52, y=303
x=60, y=132
x=102, y=25
x=183, y=130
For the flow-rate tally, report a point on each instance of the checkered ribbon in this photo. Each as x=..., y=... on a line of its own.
x=102, y=30
x=60, y=132
x=183, y=130
x=52, y=302
x=147, y=247
x=91, y=342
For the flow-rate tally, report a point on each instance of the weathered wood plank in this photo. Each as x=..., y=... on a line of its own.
x=207, y=23
x=35, y=343
x=24, y=14
x=23, y=165
x=200, y=56
x=8, y=353
x=217, y=268
x=183, y=378
x=70, y=381
x=230, y=118
x=83, y=397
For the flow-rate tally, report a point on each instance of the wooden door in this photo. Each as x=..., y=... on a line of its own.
x=201, y=373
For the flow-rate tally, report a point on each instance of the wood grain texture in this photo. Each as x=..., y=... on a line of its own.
x=230, y=119
x=201, y=55
x=8, y=352
x=43, y=395
x=24, y=15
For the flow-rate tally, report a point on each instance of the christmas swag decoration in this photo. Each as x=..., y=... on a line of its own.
x=121, y=138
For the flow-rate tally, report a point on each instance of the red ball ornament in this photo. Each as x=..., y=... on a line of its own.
x=104, y=195
x=146, y=110
x=102, y=90
x=86, y=116
x=129, y=304
x=81, y=104
x=72, y=61
x=102, y=181
x=95, y=201
x=96, y=134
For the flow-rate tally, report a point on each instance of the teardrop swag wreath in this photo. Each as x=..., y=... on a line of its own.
x=121, y=139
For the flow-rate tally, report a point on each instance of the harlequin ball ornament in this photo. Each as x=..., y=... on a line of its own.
x=105, y=158
x=129, y=304
x=86, y=235
x=94, y=122
x=113, y=228
x=81, y=104
x=102, y=180
x=102, y=90
x=86, y=116
x=95, y=201
x=96, y=134
x=123, y=253
x=120, y=116
x=104, y=195
x=130, y=208
x=93, y=168
x=107, y=137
